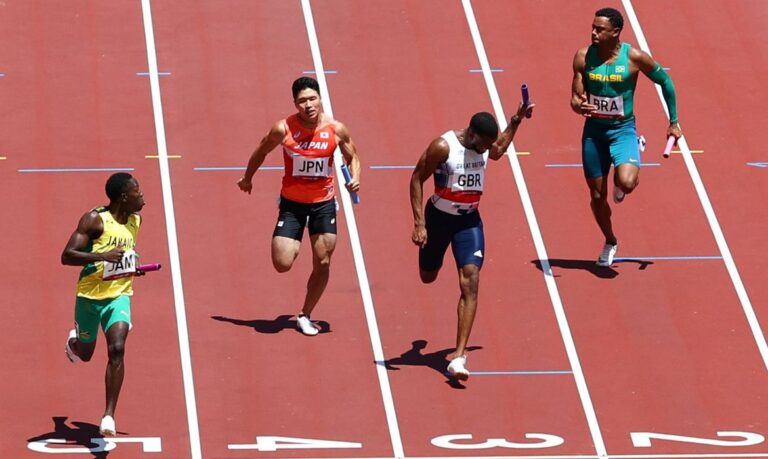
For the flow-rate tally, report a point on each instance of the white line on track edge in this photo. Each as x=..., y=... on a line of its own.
x=591, y=456
x=173, y=245
x=365, y=289
x=706, y=204
x=541, y=252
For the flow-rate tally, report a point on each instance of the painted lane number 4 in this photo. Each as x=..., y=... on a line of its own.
x=272, y=443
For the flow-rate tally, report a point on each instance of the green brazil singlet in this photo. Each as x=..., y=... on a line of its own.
x=610, y=86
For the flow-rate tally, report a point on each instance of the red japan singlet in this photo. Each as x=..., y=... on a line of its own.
x=308, y=155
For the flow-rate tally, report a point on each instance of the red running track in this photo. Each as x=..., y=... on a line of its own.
x=664, y=344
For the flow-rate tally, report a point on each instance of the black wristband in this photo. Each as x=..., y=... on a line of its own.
x=515, y=120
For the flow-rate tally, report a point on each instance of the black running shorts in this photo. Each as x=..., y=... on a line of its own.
x=319, y=217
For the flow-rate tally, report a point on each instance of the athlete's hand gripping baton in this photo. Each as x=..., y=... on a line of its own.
x=668, y=148
x=348, y=178
x=526, y=100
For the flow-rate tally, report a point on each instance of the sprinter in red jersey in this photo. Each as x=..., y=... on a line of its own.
x=309, y=139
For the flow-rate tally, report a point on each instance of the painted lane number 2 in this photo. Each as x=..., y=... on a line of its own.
x=643, y=439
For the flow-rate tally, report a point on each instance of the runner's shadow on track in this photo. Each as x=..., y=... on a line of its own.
x=585, y=265
x=281, y=323
x=437, y=361
x=80, y=436
x=589, y=265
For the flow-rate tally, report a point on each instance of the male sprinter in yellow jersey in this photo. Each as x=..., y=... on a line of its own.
x=103, y=244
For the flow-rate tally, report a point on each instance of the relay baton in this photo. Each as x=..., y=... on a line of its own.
x=348, y=178
x=524, y=90
x=149, y=267
x=668, y=147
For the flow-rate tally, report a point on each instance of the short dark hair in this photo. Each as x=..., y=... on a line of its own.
x=117, y=184
x=304, y=83
x=484, y=125
x=613, y=15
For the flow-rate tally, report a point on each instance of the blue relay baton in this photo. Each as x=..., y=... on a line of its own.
x=524, y=90
x=348, y=178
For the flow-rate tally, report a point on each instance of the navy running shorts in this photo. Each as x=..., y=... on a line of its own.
x=463, y=232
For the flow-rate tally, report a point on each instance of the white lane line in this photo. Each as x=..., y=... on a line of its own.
x=589, y=456
x=709, y=211
x=173, y=245
x=538, y=241
x=362, y=275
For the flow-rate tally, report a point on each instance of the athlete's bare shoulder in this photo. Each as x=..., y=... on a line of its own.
x=439, y=147
x=636, y=54
x=580, y=58
x=340, y=128
x=641, y=60
x=279, y=129
x=328, y=119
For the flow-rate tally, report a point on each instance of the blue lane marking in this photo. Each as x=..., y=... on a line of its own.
x=238, y=168
x=758, y=164
x=516, y=373
x=327, y=72
x=280, y=168
x=579, y=165
x=147, y=73
x=93, y=169
x=391, y=167
x=520, y=373
x=705, y=257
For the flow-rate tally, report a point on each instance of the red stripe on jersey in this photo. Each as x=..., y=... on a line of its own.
x=458, y=196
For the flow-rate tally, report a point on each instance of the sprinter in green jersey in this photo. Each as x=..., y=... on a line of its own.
x=604, y=80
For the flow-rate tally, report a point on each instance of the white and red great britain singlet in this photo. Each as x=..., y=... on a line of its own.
x=308, y=155
x=459, y=180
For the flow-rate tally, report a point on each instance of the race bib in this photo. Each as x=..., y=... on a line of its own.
x=470, y=180
x=123, y=268
x=311, y=167
x=607, y=107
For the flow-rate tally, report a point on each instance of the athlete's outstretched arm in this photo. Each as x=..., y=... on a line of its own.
x=89, y=228
x=436, y=153
x=505, y=138
x=273, y=138
x=349, y=151
x=658, y=75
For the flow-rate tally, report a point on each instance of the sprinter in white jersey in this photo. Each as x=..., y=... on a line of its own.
x=457, y=160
